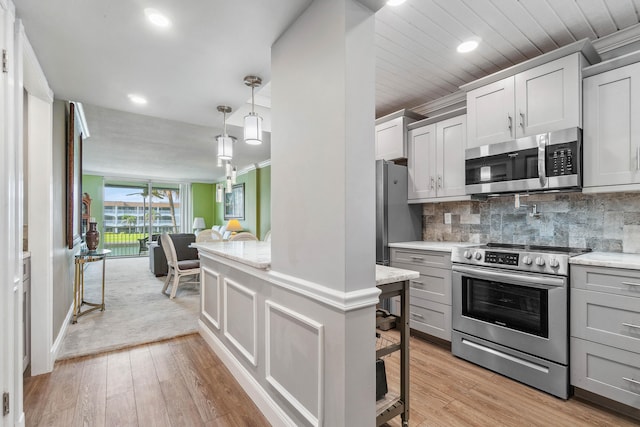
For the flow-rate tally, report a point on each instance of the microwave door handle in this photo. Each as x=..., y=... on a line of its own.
x=542, y=158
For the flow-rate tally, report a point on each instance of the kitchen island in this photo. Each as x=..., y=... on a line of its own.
x=291, y=344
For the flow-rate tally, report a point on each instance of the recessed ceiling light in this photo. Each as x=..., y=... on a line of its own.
x=395, y=2
x=468, y=45
x=157, y=18
x=137, y=99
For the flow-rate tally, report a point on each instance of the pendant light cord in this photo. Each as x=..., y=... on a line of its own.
x=224, y=121
x=252, y=99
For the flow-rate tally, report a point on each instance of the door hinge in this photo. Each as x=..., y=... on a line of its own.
x=5, y=61
x=5, y=403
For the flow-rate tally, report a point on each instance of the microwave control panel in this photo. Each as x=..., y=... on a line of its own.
x=561, y=159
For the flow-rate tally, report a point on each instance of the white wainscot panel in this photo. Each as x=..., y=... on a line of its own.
x=240, y=319
x=210, y=289
x=294, y=360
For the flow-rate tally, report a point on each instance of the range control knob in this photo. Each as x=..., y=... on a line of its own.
x=539, y=261
x=527, y=260
x=467, y=254
x=478, y=255
x=554, y=263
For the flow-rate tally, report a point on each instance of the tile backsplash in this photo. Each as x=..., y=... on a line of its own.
x=603, y=222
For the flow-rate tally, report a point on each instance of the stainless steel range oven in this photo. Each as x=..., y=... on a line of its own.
x=510, y=312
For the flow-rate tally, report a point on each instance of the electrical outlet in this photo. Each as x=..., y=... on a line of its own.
x=447, y=218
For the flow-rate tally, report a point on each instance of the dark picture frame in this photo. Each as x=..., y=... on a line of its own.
x=74, y=180
x=234, y=203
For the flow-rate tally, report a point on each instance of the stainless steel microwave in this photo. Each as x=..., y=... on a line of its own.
x=547, y=161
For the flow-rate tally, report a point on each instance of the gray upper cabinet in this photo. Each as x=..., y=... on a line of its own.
x=436, y=159
x=611, y=137
x=541, y=99
x=491, y=113
x=391, y=134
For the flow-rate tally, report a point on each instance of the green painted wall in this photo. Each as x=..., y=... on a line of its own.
x=203, y=197
x=264, y=201
x=257, y=202
x=92, y=184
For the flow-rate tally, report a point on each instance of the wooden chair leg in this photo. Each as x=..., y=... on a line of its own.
x=174, y=289
x=166, y=281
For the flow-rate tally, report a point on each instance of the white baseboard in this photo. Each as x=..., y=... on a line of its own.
x=57, y=345
x=269, y=408
x=21, y=421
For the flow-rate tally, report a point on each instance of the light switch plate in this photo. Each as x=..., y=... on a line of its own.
x=447, y=218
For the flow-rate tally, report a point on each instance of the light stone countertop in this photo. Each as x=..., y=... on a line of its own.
x=252, y=253
x=430, y=246
x=258, y=255
x=386, y=275
x=608, y=259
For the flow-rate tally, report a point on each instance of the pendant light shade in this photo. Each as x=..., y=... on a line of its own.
x=253, y=129
x=225, y=147
x=252, y=121
x=225, y=142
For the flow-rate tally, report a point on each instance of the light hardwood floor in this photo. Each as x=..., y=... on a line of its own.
x=451, y=392
x=181, y=382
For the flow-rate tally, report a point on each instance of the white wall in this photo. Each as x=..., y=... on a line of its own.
x=322, y=153
x=323, y=187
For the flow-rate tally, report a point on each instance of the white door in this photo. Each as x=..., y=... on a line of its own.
x=6, y=296
x=611, y=139
x=451, y=143
x=10, y=381
x=421, y=162
x=490, y=113
x=548, y=97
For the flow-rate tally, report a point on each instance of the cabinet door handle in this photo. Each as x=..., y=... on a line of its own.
x=420, y=316
x=631, y=380
x=417, y=258
x=638, y=158
x=439, y=181
x=630, y=325
x=509, y=122
x=433, y=183
x=522, y=120
x=631, y=284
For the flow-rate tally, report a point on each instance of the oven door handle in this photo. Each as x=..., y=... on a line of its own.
x=524, y=279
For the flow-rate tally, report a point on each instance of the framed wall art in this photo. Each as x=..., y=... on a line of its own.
x=74, y=180
x=234, y=203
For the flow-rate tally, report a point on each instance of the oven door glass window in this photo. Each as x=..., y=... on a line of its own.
x=516, y=307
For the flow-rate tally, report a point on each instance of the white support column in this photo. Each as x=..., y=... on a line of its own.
x=323, y=178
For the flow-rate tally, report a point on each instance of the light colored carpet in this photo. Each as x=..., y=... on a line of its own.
x=136, y=311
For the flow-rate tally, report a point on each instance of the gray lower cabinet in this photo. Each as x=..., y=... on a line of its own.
x=430, y=294
x=605, y=332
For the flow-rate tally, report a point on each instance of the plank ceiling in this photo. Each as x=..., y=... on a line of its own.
x=416, y=43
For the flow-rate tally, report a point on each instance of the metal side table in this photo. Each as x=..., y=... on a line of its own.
x=81, y=258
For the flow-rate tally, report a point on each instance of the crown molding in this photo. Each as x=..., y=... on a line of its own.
x=618, y=39
x=454, y=100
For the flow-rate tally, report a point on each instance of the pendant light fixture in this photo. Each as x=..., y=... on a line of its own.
x=225, y=142
x=252, y=121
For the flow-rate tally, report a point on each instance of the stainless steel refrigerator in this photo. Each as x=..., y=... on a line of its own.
x=396, y=219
